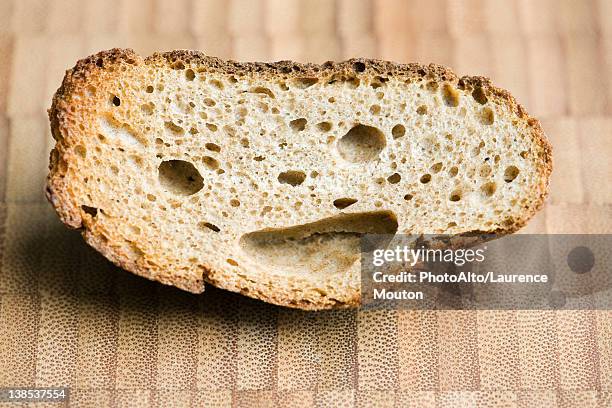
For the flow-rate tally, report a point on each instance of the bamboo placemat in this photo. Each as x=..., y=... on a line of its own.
x=70, y=318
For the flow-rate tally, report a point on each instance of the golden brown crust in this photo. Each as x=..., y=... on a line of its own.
x=93, y=69
x=471, y=83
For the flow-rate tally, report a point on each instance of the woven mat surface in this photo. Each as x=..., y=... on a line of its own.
x=70, y=318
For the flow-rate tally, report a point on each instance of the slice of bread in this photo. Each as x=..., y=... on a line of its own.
x=260, y=178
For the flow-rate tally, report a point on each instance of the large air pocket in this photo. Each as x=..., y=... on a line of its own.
x=325, y=247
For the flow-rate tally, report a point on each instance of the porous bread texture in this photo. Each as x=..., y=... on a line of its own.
x=260, y=177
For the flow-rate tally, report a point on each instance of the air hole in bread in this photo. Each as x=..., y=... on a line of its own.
x=510, y=173
x=93, y=211
x=394, y=178
x=488, y=189
x=148, y=108
x=292, y=177
x=422, y=110
x=432, y=86
x=342, y=203
x=455, y=196
x=486, y=116
x=189, y=74
x=217, y=84
x=398, y=131
x=484, y=170
x=325, y=247
x=242, y=112
x=324, y=126
x=212, y=127
x=408, y=197
x=232, y=262
x=180, y=177
x=378, y=81
x=174, y=128
x=425, y=178
x=359, y=66
x=262, y=106
x=80, y=150
x=304, y=83
x=436, y=167
x=149, y=89
x=266, y=209
x=207, y=226
x=375, y=109
x=450, y=95
x=234, y=202
x=361, y=144
x=262, y=90
x=353, y=82
x=209, y=102
x=298, y=124
x=479, y=95
x=213, y=147
x=116, y=101
x=210, y=162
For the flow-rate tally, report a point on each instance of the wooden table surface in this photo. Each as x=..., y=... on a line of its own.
x=68, y=317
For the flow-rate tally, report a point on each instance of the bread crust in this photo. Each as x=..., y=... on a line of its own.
x=91, y=69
